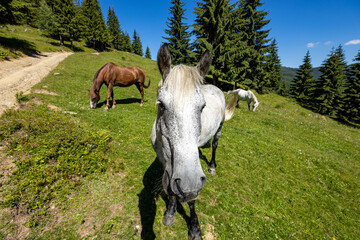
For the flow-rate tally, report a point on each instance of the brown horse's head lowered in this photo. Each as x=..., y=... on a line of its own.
x=113, y=75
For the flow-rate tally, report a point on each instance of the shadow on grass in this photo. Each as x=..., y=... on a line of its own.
x=14, y=44
x=147, y=199
x=121, y=101
x=72, y=47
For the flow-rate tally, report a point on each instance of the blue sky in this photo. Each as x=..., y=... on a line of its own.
x=297, y=25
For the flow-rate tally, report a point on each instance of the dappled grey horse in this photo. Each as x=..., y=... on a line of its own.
x=189, y=116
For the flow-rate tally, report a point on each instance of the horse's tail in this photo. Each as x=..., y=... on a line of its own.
x=230, y=107
x=147, y=85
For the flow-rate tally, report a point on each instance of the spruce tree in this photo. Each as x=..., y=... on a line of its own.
x=126, y=43
x=272, y=67
x=45, y=18
x=178, y=36
x=6, y=15
x=64, y=11
x=256, y=38
x=136, y=44
x=211, y=28
x=302, y=87
x=114, y=29
x=236, y=49
x=329, y=88
x=351, y=110
x=147, y=54
x=95, y=32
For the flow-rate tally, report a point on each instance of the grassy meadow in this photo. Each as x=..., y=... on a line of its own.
x=283, y=172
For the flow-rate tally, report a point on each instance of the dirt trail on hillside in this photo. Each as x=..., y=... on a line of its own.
x=23, y=73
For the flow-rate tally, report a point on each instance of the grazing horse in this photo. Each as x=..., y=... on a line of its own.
x=113, y=75
x=245, y=95
x=189, y=116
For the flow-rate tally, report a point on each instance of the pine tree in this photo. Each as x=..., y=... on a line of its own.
x=6, y=15
x=303, y=86
x=136, y=44
x=114, y=29
x=23, y=11
x=329, y=88
x=95, y=32
x=256, y=38
x=126, y=43
x=147, y=54
x=351, y=110
x=45, y=19
x=211, y=28
x=236, y=49
x=179, y=38
x=272, y=67
x=64, y=11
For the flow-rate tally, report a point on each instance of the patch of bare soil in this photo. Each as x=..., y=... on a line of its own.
x=23, y=73
x=15, y=76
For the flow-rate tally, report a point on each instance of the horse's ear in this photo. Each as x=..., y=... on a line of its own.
x=164, y=61
x=204, y=64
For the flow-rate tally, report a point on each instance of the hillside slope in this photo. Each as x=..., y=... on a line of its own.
x=283, y=171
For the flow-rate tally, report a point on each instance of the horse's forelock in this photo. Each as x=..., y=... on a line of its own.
x=182, y=81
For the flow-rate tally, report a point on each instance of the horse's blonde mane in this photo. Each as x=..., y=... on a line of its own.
x=181, y=82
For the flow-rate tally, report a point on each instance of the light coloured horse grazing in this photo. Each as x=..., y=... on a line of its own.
x=245, y=95
x=189, y=116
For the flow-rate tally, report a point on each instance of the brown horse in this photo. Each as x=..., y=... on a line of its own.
x=113, y=75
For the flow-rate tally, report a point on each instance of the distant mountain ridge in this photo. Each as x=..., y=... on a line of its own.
x=288, y=74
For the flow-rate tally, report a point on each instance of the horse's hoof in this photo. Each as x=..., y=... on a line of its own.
x=105, y=109
x=141, y=104
x=212, y=171
x=194, y=237
x=168, y=220
x=113, y=107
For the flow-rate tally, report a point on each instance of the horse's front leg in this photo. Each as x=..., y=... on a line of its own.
x=169, y=216
x=110, y=89
x=212, y=164
x=194, y=232
x=113, y=99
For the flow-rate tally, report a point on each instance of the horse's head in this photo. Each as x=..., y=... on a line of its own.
x=94, y=97
x=256, y=104
x=180, y=104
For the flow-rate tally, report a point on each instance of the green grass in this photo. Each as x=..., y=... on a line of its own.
x=283, y=171
x=19, y=40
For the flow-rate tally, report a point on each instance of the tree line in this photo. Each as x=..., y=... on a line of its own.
x=72, y=20
x=235, y=34
x=337, y=91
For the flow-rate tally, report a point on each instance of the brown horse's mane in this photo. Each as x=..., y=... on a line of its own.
x=98, y=72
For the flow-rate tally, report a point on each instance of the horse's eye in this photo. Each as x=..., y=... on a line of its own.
x=160, y=105
x=202, y=107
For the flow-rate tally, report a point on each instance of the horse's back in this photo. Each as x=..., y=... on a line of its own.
x=213, y=114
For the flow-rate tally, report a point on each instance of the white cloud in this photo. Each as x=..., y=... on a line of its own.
x=353, y=42
x=311, y=45
x=327, y=43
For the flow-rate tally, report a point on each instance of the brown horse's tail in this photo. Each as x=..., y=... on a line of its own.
x=147, y=85
x=230, y=107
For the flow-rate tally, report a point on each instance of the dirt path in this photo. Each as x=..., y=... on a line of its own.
x=21, y=74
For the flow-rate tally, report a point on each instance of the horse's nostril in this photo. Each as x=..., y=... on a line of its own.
x=203, y=179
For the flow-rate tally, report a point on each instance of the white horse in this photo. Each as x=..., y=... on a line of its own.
x=189, y=116
x=245, y=95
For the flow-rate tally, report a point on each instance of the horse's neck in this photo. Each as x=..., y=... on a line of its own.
x=96, y=86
